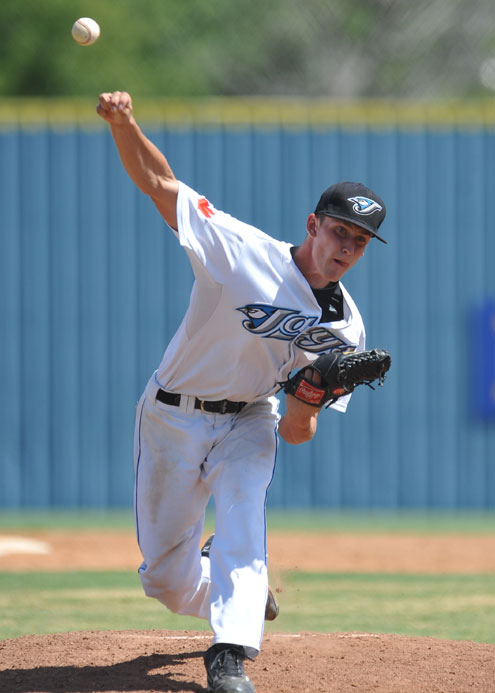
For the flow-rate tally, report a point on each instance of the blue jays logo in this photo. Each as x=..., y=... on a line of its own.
x=318, y=339
x=363, y=205
x=289, y=325
x=278, y=323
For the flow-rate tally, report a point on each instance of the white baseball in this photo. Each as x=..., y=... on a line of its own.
x=85, y=31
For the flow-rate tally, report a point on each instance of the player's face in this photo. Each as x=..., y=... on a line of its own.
x=337, y=246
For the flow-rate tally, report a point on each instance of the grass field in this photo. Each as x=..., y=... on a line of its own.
x=444, y=606
x=482, y=522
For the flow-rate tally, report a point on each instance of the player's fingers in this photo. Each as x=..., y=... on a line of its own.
x=316, y=378
x=104, y=101
x=111, y=103
x=120, y=102
x=313, y=375
x=103, y=106
x=115, y=100
x=103, y=112
x=125, y=102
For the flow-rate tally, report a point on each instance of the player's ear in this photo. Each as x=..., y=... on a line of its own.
x=312, y=224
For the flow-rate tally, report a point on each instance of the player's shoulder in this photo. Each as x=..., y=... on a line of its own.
x=207, y=211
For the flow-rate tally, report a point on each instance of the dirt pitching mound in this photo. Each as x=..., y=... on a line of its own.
x=314, y=662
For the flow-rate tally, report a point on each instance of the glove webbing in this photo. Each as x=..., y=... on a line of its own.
x=363, y=371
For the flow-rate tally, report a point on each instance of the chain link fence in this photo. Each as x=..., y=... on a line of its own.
x=338, y=49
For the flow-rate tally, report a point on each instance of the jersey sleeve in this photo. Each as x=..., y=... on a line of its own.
x=212, y=238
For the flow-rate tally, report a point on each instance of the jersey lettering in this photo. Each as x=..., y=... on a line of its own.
x=289, y=325
x=318, y=339
x=277, y=323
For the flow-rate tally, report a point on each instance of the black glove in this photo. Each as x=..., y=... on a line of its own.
x=340, y=374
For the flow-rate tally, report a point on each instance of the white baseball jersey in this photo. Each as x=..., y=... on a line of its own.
x=252, y=317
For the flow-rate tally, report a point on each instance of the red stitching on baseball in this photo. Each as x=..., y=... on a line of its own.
x=88, y=40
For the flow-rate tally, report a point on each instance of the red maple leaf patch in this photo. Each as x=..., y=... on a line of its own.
x=204, y=207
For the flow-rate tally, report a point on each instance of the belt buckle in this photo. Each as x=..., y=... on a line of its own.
x=201, y=406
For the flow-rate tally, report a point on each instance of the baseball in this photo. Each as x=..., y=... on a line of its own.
x=85, y=31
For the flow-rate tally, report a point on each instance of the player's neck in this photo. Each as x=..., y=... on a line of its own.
x=301, y=255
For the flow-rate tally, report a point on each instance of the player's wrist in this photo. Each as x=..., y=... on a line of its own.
x=121, y=121
x=296, y=428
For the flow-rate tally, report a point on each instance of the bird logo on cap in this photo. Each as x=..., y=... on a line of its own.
x=363, y=205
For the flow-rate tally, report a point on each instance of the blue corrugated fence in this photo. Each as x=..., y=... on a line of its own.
x=93, y=285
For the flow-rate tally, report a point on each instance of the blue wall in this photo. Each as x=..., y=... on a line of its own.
x=93, y=285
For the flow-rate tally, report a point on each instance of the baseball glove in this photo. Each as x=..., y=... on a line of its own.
x=340, y=373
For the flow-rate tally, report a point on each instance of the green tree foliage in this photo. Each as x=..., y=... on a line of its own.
x=177, y=48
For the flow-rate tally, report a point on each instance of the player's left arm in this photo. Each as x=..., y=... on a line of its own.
x=298, y=424
x=329, y=377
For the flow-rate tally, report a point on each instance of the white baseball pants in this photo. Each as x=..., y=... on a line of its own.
x=182, y=457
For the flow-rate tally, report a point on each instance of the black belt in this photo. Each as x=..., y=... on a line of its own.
x=223, y=406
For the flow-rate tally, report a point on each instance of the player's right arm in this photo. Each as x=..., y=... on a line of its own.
x=145, y=163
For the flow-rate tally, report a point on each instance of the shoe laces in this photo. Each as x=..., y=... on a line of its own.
x=230, y=662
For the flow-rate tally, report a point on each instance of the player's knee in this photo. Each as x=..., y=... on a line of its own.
x=168, y=586
x=171, y=598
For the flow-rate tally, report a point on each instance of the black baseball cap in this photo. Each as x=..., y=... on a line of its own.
x=356, y=203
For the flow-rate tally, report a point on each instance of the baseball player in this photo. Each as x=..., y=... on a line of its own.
x=207, y=422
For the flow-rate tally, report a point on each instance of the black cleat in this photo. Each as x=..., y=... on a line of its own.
x=272, y=608
x=225, y=669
